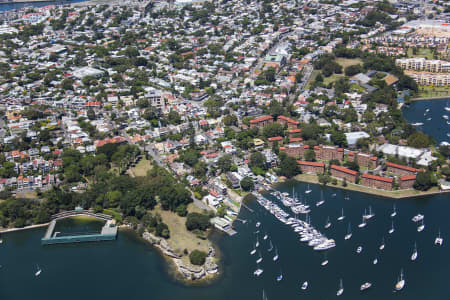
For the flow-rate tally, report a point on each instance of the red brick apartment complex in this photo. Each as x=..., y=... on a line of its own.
x=311, y=167
x=377, y=182
x=363, y=159
x=341, y=172
x=295, y=150
x=400, y=169
x=274, y=139
x=328, y=153
x=406, y=182
x=287, y=121
x=261, y=122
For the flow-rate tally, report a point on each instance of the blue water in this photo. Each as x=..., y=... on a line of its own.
x=129, y=268
x=11, y=6
x=437, y=126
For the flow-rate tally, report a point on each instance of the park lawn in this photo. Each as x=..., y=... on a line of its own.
x=332, y=78
x=421, y=52
x=312, y=78
x=180, y=237
x=345, y=62
x=140, y=170
x=27, y=195
x=433, y=91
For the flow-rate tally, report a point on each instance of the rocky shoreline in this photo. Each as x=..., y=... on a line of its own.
x=188, y=271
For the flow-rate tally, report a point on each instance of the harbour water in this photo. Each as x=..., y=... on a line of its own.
x=437, y=126
x=130, y=268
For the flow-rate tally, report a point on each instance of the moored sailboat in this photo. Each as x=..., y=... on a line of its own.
x=439, y=240
x=328, y=223
x=342, y=216
x=401, y=283
x=414, y=254
x=341, y=288
x=349, y=232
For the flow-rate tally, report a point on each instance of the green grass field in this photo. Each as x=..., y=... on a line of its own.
x=421, y=53
x=345, y=62
x=429, y=91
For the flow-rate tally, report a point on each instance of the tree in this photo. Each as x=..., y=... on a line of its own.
x=310, y=155
x=229, y=120
x=162, y=230
x=289, y=167
x=352, y=165
x=190, y=157
x=352, y=70
x=275, y=109
x=298, y=77
x=419, y=140
x=247, y=184
x=90, y=114
x=174, y=117
x=197, y=257
x=225, y=162
x=67, y=84
x=424, y=181
x=200, y=169
x=338, y=138
x=257, y=160
x=272, y=130
x=197, y=221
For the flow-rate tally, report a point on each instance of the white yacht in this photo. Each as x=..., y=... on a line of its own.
x=414, y=254
x=417, y=124
x=321, y=201
x=439, y=240
x=271, y=246
x=258, y=224
x=275, y=258
x=401, y=283
x=265, y=237
x=253, y=251
x=308, y=190
x=375, y=261
x=324, y=263
x=328, y=224
x=394, y=212
x=365, y=286
x=417, y=218
x=38, y=272
x=359, y=249
x=258, y=272
x=341, y=289
x=280, y=277
x=257, y=241
x=342, y=216
x=421, y=227
x=363, y=224
x=259, y=259
x=305, y=285
x=382, y=244
x=391, y=231
x=349, y=232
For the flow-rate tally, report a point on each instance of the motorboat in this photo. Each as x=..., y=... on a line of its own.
x=258, y=224
x=365, y=286
x=324, y=263
x=359, y=249
x=258, y=272
x=375, y=261
x=305, y=285
x=417, y=124
x=280, y=277
x=417, y=218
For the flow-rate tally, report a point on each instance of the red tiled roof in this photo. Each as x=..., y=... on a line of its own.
x=374, y=158
x=408, y=177
x=291, y=140
x=306, y=147
x=379, y=178
x=261, y=119
x=310, y=163
x=288, y=120
x=344, y=170
x=340, y=149
x=351, y=153
x=316, y=147
x=275, y=138
x=296, y=130
x=389, y=164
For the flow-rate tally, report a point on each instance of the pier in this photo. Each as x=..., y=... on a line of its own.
x=108, y=232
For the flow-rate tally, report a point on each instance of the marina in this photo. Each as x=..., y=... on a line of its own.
x=297, y=262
